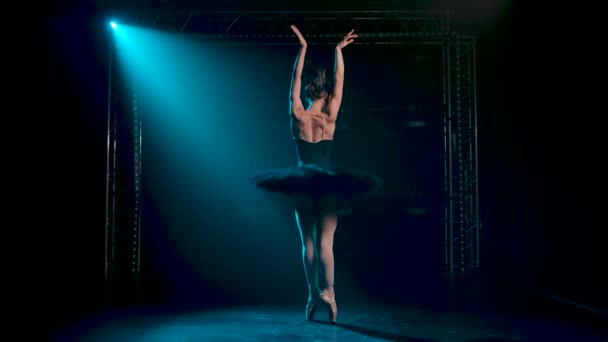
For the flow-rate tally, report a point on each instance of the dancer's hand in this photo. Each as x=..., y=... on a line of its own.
x=300, y=36
x=349, y=38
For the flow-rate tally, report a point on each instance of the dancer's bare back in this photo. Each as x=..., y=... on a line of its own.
x=313, y=126
x=318, y=122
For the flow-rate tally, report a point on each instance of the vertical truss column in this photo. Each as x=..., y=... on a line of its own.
x=472, y=224
x=123, y=177
x=136, y=217
x=462, y=221
x=448, y=160
x=110, y=167
x=459, y=235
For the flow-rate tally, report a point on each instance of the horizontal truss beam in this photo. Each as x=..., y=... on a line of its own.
x=309, y=22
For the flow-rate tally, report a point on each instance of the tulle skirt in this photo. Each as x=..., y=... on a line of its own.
x=318, y=182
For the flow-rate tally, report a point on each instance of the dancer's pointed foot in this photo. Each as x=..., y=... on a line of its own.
x=329, y=297
x=311, y=307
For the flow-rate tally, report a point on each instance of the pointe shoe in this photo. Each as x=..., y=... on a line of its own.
x=311, y=307
x=332, y=308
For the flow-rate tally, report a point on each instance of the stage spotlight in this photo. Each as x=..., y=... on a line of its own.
x=113, y=24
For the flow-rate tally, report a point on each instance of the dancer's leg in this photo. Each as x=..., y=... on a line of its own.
x=327, y=213
x=327, y=219
x=305, y=208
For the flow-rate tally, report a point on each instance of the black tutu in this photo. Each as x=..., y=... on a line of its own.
x=315, y=177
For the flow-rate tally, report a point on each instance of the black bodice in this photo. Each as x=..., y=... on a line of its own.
x=314, y=153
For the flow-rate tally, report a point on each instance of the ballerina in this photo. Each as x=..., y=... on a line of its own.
x=315, y=183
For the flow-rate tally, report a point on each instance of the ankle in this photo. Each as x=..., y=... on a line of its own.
x=329, y=289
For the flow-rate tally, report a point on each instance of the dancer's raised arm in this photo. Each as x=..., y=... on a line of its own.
x=336, y=95
x=296, y=81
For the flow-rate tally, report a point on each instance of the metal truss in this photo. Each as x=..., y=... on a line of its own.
x=123, y=177
x=462, y=225
x=276, y=24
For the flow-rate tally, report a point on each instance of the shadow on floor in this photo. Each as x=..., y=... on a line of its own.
x=375, y=333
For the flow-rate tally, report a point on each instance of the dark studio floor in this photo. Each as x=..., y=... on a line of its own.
x=457, y=318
